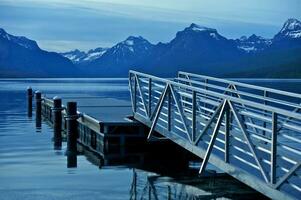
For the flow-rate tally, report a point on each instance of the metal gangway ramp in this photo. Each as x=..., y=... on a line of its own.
x=252, y=133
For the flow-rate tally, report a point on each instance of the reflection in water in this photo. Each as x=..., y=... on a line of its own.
x=57, y=143
x=148, y=185
x=38, y=124
x=71, y=160
x=29, y=113
x=161, y=171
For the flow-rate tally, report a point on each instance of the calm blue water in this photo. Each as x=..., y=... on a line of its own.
x=31, y=169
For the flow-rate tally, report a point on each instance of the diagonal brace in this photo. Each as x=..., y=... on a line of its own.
x=213, y=137
x=248, y=139
x=142, y=97
x=158, y=110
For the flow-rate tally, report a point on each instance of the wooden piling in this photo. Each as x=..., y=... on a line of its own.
x=71, y=133
x=57, y=122
x=38, y=99
x=29, y=101
x=38, y=96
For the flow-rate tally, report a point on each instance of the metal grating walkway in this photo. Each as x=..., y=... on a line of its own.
x=253, y=133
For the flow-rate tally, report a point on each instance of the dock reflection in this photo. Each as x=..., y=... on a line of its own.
x=161, y=170
x=38, y=124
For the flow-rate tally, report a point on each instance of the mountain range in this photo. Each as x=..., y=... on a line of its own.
x=196, y=49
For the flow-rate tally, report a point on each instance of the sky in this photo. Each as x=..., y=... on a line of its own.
x=63, y=25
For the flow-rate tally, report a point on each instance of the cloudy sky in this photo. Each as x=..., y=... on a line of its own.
x=61, y=25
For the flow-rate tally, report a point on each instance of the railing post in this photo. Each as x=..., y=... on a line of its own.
x=29, y=102
x=193, y=115
x=135, y=94
x=71, y=134
x=274, y=148
x=149, y=96
x=206, y=82
x=57, y=122
x=169, y=111
x=206, y=88
x=227, y=132
x=265, y=94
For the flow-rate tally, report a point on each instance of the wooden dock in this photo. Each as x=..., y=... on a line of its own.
x=104, y=124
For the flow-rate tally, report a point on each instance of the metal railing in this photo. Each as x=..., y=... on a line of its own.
x=251, y=132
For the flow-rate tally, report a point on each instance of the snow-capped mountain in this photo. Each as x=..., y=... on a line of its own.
x=195, y=48
x=253, y=43
x=290, y=30
x=201, y=30
x=289, y=36
x=116, y=60
x=131, y=46
x=77, y=56
x=20, y=40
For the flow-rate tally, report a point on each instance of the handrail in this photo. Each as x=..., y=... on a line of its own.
x=223, y=96
x=255, y=96
x=276, y=91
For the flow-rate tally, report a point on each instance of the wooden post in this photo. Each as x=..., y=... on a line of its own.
x=38, y=104
x=57, y=122
x=38, y=99
x=29, y=102
x=71, y=134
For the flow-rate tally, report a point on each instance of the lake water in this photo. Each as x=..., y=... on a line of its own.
x=31, y=169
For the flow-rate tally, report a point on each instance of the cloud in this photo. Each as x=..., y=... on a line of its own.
x=90, y=22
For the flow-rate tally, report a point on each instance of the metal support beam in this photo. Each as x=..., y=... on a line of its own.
x=182, y=115
x=169, y=112
x=158, y=109
x=142, y=96
x=213, y=137
x=287, y=175
x=265, y=95
x=274, y=148
x=247, y=138
x=135, y=94
x=227, y=132
x=208, y=124
x=149, y=96
x=194, y=105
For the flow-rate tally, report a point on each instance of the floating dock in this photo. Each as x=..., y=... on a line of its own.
x=104, y=124
x=249, y=132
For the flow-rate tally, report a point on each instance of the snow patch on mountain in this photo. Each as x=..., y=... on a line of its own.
x=199, y=28
x=290, y=30
x=77, y=56
x=253, y=43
